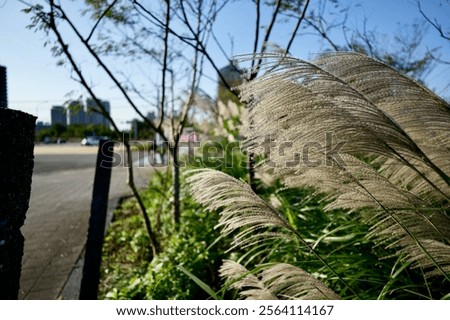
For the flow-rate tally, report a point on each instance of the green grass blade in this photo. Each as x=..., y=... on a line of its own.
x=200, y=283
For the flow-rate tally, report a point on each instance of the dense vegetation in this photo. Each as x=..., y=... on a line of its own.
x=128, y=272
x=374, y=227
x=192, y=249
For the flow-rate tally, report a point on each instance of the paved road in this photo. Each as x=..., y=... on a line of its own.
x=56, y=225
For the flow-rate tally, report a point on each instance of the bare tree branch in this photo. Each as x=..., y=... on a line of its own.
x=322, y=33
x=200, y=46
x=297, y=26
x=164, y=67
x=254, y=71
x=107, y=70
x=434, y=23
x=197, y=45
x=258, y=18
x=65, y=48
x=52, y=26
x=99, y=19
x=154, y=243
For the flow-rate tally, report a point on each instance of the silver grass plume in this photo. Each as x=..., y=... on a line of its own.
x=241, y=208
x=424, y=116
x=419, y=231
x=277, y=281
x=299, y=102
x=239, y=278
x=418, y=111
x=305, y=102
x=243, y=211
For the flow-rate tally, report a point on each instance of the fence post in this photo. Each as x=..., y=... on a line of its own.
x=16, y=168
x=97, y=220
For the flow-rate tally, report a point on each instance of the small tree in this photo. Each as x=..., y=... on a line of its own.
x=132, y=29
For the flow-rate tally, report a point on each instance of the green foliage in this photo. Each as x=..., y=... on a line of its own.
x=78, y=131
x=59, y=129
x=125, y=253
x=117, y=13
x=340, y=238
x=222, y=155
x=127, y=271
x=226, y=95
x=188, y=247
x=145, y=132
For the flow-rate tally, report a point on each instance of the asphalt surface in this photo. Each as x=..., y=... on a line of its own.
x=57, y=219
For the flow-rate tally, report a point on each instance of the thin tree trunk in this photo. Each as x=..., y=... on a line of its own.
x=251, y=170
x=176, y=184
x=154, y=244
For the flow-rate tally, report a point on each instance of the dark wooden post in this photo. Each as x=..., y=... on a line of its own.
x=16, y=168
x=96, y=232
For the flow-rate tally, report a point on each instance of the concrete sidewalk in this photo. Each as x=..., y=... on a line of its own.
x=56, y=226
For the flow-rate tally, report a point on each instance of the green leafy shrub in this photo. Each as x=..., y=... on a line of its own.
x=127, y=271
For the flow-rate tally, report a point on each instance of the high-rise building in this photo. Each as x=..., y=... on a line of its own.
x=76, y=113
x=233, y=77
x=93, y=114
x=58, y=115
x=40, y=125
x=151, y=115
x=3, y=88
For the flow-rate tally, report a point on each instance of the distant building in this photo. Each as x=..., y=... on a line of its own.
x=93, y=113
x=76, y=113
x=233, y=77
x=58, y=115
x=151, y=115
x=3, y=88
x=41, y=125
x=228, y=106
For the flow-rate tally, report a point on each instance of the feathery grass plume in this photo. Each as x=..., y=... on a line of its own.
x=277, y=281
x=407, y=102
x=238, y=277
x=424, y=116
x=241, y=208
x=407, y=178
x=299, y=102
x=290, y=282
x=400, y=219
x=305, y=102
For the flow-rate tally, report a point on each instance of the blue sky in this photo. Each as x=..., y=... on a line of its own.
x=35, y=83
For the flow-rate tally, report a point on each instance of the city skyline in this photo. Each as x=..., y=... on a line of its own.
x=78, y=112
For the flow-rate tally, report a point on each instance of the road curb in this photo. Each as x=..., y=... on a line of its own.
x=71, y=288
